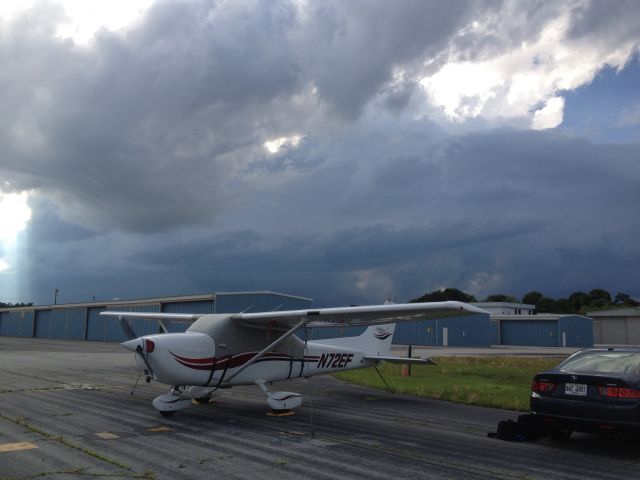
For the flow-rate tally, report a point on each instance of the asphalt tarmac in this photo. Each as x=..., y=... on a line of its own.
x=66, y=411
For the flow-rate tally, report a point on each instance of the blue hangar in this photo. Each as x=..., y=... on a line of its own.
x=81, y=321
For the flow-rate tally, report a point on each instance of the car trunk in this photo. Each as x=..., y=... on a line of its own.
x=597, y=398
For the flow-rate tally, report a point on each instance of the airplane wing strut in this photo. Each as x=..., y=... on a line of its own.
x=269, y=347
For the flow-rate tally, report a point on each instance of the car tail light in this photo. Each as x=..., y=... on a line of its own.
x=628, y=393
x=618, y=392
x=608, y=391
x=543, y=386
x=149, y=345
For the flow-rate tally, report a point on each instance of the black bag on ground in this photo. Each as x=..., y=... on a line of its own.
x=525, y=429
x=510, y=430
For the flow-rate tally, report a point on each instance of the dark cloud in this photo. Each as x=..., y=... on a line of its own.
x=46, y=226
x=616, y=19
x=494, y=211
x=139, y=131
x=353, y=47
x=143, y=130
x=144, y=153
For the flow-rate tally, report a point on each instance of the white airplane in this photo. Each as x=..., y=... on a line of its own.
x=219, y=351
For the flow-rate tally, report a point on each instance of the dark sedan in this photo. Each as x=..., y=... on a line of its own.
x=596, y=390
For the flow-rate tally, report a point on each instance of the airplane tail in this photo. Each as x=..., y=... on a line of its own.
x=375, y=340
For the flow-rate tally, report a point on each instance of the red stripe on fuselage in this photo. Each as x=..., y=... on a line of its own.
x=235, y=361
x=193, y=360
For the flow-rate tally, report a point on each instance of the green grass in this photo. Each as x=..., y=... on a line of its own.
x=499, y=382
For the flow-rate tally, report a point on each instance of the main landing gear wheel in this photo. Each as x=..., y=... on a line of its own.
x=167, y=413
x=202, y=400
x=281, y=403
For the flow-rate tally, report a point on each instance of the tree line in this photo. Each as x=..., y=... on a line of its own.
x=10, y=305
x=576, y=303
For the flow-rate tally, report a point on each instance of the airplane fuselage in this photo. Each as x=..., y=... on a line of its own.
x=215, y=348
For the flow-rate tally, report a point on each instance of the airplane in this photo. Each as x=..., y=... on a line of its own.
x=220, y=351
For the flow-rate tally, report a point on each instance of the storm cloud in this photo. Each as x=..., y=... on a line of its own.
x=298, y=146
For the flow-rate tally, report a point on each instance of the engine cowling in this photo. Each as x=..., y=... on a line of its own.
x=176, y=358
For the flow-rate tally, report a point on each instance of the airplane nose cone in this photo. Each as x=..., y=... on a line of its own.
x=132, y=344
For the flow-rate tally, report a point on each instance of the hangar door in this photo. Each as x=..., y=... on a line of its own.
x=616, y=331
x=540, y=333
x=16, y=324
x=64, y=323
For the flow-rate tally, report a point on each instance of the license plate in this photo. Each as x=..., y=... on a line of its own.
x=575, y=389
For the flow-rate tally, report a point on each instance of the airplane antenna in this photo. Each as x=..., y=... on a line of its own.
x=136, y=384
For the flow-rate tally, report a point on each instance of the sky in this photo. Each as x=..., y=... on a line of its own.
x=347, y=151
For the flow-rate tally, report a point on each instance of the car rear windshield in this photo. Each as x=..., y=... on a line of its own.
x=602, y=362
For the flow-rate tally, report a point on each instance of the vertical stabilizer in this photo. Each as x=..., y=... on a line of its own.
x=375, y=340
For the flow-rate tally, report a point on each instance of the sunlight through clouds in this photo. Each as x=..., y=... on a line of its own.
x=14, y=215
x=82, y=19
x=511, y=83
x=273, y=146
x=550, y=116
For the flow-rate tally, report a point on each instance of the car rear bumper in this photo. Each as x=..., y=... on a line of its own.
x=586, y=416
x=583, y=425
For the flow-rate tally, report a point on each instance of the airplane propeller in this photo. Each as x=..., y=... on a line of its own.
x=126, y=328
x=146, y=362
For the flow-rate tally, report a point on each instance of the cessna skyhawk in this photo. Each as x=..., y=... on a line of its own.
x=224, y=350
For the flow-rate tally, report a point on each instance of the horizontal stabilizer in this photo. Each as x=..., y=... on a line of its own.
x=404, y=360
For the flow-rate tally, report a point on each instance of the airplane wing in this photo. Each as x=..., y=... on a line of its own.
x=356, y=316
x=325, y=317
x=162, y=318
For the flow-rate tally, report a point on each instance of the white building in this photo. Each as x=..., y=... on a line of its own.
x=504, y=308
x=616, y=327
